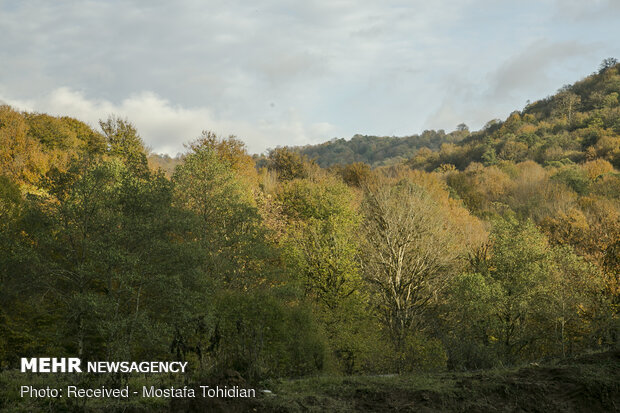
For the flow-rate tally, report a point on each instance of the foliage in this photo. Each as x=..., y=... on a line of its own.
x=464, y=250
x=411, y=251
x=376, y=150
x=524, y=299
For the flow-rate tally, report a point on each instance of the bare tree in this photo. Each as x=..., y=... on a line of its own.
x=409, y=253
x=566, y=103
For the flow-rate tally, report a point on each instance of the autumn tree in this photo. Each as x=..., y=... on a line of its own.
x=356, y=174
x=409, y=254
x=21, y=156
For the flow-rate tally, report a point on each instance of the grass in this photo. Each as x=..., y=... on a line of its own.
x=588, y=383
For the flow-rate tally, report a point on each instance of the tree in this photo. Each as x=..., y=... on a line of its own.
x=607, y=63
x=519, y=269
x=321, y=232
x=574, y=284
x=356, y=174
x=108, y=254
x=21, y=156
x=124, y=142
x=227, y=221
x=247, y=327
x=566, y=103
x=288, y=164
x=232, y=152
x=468, y=318
x=16, y=261
x=409, y=254
x=321, y=247
x=523, y=300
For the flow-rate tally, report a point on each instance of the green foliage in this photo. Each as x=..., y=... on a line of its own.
x=51, y=132
x=376, y=150
x=425, y=353
x=470, y=324
x=573, y=177
x=287, y=164
x=226, y=221
x=106, y=254
x=124, y=142
x=349, y=270
x=322, y=251
x=527, y=302
x=254, y=336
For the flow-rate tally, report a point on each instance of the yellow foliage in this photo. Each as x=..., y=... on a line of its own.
x=568, y=227
x=527, y=127
x=21, y=156
x=446, y=167
x=597, y=167
x=608, y=147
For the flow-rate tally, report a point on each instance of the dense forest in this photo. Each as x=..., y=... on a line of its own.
x=466, y=250
x=378, y=150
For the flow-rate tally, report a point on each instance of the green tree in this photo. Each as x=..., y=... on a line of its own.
x=573, y=300
x=228, y=224
x=108, y=258
x=519, y=270
x=287, y=164
x=322, y=250
x=125, y=143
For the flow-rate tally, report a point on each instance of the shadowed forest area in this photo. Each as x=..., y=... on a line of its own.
x=325, y=267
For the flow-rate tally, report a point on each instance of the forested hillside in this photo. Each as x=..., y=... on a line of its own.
x=377, y=150
x=499, y=248
x=579, y=123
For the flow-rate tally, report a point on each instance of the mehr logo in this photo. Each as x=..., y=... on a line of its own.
x=51, y=365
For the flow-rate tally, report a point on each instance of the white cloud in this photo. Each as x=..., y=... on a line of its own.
x=166, y=127
x=278, y=72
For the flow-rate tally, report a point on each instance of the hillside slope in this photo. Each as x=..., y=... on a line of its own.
x=580, y=122
x=377, y=150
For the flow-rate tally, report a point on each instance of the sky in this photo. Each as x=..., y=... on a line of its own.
x=276, y=73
